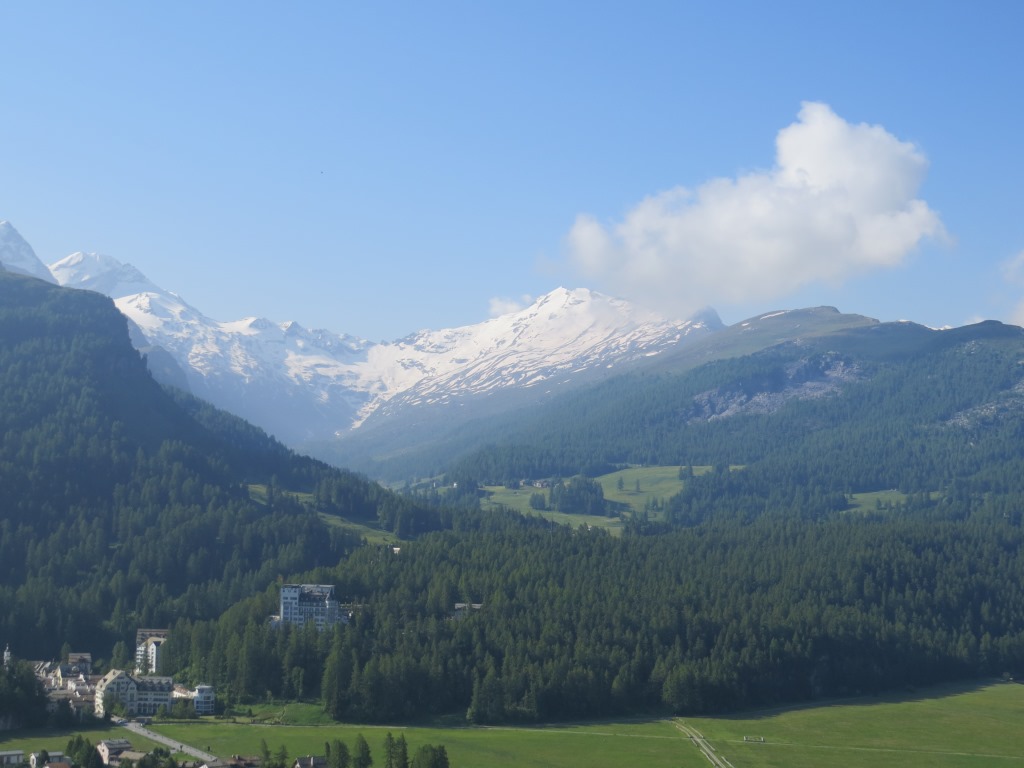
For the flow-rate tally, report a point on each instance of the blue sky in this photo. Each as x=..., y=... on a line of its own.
x=377, y=168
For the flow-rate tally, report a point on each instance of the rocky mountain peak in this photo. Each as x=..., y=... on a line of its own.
x=17, y=255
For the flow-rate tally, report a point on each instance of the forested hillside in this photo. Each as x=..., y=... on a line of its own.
x=124, y=506
x=575, y=623
x=885, y=406
x=760, y=583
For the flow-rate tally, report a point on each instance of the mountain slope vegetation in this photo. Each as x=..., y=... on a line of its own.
x=885, y=406
x=759, y=583
x=429, y=439
x=126, y=506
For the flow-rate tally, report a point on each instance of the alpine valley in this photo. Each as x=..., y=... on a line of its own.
x=845, y=513
x=312, y=389
x=375, y=406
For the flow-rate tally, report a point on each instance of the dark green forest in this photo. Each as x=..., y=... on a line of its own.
x=126, y=505
x=576, y=623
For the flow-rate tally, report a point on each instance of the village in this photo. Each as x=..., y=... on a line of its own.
x=73, y=691
x=132, y=698
x=75, y=694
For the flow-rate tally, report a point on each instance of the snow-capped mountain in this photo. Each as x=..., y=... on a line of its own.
x=17, y=256
x=96, y=272
x=288, y=380
x=304, y=385
x=561, y=338
x=315, y=385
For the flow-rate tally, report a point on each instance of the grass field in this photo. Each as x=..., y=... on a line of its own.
x=372, y=534
x=869, y=502
x=947, y=727
x=655, y=484
x=258, y=492
x=950, y=727
x=873, y=500
x=519, y=500
x=655, y=744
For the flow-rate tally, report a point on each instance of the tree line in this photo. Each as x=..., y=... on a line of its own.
x=575, y=623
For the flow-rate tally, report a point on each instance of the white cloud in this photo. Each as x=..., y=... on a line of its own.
x=841, y=200
x=503, y=306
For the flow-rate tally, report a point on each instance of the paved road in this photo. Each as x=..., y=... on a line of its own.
x=699, y=741
x=175, y=746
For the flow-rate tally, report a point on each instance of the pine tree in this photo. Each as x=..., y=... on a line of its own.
x=361, y=757
x=401, y=752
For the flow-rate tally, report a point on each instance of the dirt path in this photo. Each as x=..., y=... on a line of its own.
x=175, y=746
x=699, y=741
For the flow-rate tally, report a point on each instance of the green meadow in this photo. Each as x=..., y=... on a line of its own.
x=641, y=488
x=372, y=533
x=636, y=489
x=655, y=743
x=519, y=500
x=873, y=500
x=948, y=727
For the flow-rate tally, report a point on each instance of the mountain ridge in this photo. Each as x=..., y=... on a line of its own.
x=351, y=401
x=306, y=386
x=17, y=256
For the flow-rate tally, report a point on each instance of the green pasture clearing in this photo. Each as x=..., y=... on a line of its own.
x=948, y=727
x=612, y=524
x=372, y=534
x=656, y=484
x=650, y=744
x=519, y=500
x=258, y=492
x=872, y=500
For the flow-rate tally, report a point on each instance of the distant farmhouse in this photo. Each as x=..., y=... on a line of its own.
x=110, y=749
x=303, y=604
